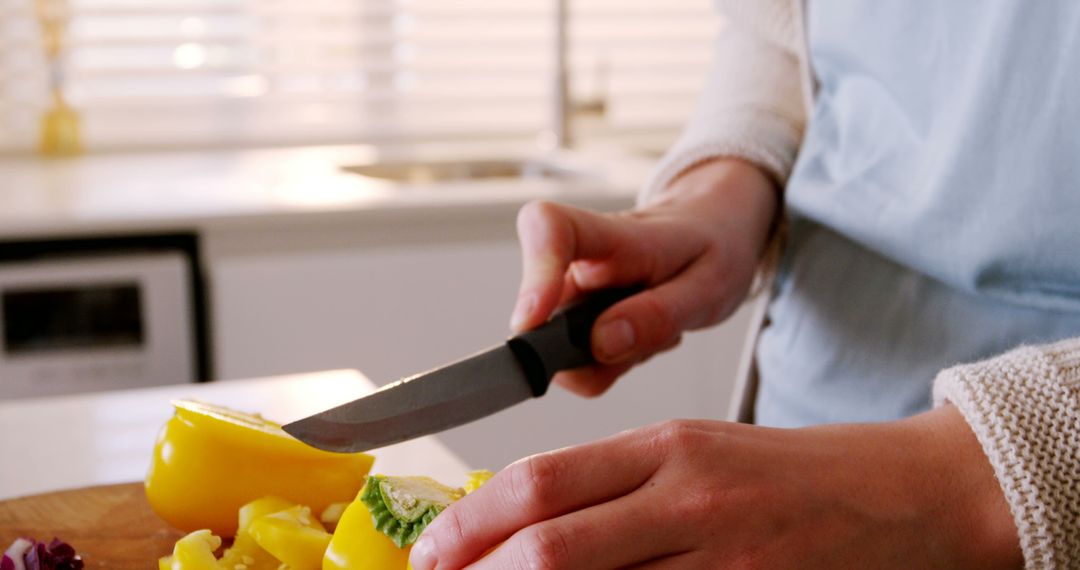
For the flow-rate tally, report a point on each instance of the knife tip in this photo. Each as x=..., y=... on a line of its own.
x=313, y=433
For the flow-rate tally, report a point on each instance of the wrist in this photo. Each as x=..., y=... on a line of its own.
x=733, y=197
x=961, y=496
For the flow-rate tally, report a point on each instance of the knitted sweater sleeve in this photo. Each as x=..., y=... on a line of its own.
x=752, y=105
x=1024, y=408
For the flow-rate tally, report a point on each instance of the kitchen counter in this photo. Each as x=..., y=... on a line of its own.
x=224, y=188
x=96, y=439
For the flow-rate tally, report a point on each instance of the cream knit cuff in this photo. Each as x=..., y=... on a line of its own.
x=756, y=136
x=1024, y=408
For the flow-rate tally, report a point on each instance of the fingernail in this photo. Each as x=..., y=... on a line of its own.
x=422, y=555
x=524, y=308
x=616, y=339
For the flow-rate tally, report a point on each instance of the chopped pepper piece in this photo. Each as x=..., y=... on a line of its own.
x=194, y=552
x=245, y=551
x=332, y=514
x=477, y=480
x=293, y=536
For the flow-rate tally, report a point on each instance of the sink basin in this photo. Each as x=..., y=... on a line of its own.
x=465, y=170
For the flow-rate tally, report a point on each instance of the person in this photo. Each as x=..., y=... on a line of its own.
x=921, y=158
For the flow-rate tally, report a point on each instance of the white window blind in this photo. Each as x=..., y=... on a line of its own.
x=186, y=73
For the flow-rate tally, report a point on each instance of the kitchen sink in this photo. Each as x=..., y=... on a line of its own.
x=430, y=172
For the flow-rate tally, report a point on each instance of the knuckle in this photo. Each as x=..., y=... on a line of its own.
x=545, y=547
x=532, y=209
x=449, y=531
x=537, y=212
x=662, y=322
x=535, y=480
x=676, y=436
x=546, y=229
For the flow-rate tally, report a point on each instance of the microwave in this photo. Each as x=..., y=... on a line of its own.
x=93, y=322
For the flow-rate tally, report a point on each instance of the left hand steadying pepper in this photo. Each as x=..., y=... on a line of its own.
x=917, y=493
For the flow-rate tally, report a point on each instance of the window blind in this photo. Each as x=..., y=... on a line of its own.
x=187, y=73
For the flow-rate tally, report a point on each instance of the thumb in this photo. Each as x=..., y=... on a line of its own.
x=653, y=321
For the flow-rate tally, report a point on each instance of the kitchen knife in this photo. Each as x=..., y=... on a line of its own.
x=467, y=390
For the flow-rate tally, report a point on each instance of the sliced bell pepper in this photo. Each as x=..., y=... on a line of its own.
x=209, y=460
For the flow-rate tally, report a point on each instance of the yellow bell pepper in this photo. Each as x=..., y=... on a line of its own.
x=208, y=461
x=193, y=552
x=477, y=480
x=358, y=545
x=244, y=549
x=293, y=536
x=332, y=514
x=273, y=533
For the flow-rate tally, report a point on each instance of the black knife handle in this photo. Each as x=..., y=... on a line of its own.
x=565, y=341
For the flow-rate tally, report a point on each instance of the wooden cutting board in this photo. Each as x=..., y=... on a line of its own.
x=112, y=527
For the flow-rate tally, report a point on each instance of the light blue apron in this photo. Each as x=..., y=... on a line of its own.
x=935, y=204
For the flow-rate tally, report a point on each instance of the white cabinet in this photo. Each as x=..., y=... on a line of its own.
x=394, y=297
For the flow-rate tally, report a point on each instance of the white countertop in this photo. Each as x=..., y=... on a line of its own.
x=74, y=441
x=157, y=191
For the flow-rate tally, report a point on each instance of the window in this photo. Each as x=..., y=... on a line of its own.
x=184, y=73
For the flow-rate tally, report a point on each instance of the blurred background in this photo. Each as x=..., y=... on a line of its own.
x=210, y=190
x=166, y=74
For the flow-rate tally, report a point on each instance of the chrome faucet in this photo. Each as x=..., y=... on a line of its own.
x=560, y=92
x=563, y=106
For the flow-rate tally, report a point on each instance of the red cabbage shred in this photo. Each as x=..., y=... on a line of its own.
x=56, y=555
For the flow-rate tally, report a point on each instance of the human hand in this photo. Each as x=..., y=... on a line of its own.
x=695, y=249
x=699, y=494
